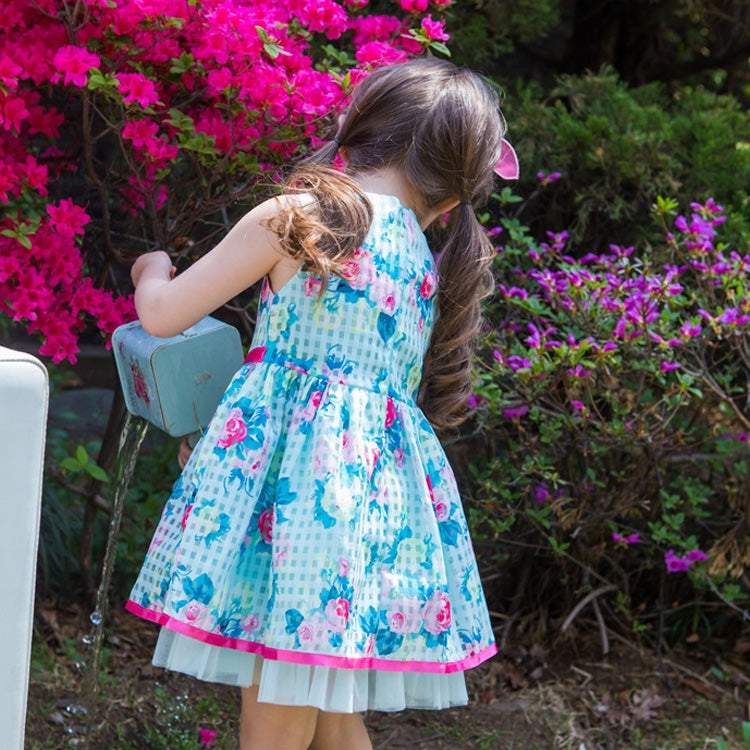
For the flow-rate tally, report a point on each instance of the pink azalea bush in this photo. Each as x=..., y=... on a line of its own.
x=614, y=388
x=132, y=125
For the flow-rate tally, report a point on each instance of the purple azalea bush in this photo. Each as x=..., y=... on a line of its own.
x=613, y=403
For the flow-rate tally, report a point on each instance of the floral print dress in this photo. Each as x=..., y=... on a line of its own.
x=315, y=542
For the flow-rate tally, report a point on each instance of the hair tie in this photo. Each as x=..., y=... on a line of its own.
x=336, y=141
x=465, y=203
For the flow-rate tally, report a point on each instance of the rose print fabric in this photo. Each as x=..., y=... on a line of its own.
x=317, y=526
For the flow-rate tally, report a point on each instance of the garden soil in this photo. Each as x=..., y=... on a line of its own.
x=562, y=695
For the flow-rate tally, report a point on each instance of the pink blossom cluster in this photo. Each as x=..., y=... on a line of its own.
x=220, y=83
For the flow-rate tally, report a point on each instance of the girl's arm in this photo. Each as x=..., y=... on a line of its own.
x=167, y=306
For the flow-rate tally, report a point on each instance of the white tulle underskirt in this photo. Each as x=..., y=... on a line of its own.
x=327, y=688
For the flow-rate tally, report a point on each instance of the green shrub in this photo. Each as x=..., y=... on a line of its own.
x=619, y=147
x=613, y=401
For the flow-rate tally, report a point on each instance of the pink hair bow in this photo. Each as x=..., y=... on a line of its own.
x=507, y=164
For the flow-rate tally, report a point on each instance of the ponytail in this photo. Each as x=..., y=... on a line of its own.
x=464, y=280
x=323, y=233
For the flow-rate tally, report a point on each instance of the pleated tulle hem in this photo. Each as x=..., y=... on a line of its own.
x=327, y=688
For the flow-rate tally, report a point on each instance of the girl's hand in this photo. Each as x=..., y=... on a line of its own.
x=154, y=265
x=184, y=453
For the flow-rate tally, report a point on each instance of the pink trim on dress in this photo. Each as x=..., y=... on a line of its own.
x=317, y=660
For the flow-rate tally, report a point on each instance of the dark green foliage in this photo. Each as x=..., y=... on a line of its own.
x=619, y=147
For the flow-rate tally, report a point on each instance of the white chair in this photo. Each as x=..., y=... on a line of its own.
x=24, y=397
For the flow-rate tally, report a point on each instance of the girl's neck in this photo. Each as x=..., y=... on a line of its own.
x=389, y=181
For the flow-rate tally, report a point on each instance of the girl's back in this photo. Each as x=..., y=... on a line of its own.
x=371, y=326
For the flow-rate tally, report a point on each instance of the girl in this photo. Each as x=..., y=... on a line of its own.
x=314, y=551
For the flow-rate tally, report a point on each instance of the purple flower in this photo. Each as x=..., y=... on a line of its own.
x=515, y=412
x=630, y=539
x=546, y=179
x=541, y=493
x=472, y=402
x=577, y=405
x=697, y=556
x=518, y=363
x=676, y=564
x=578, y=372
x=669, y=366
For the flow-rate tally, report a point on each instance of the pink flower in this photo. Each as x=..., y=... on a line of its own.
x=388, y=301
x=140, y=132
x=137, y=88
x=405, y=615
x=185, y=516
x=414, y=6
x=207, y=736
x=195, y=611
x=250, y=623
x=441, y=510
x=349, y=270
x=376, y=54
x=398, y=623
x=13, y=113
x=391, y=413
x=434, y=30
x=73, y=63
x=265, y=525
x=337, y=614
x=234, y=431
x=312, y=285
x=139, y=384
x=67, y=218
x=428, y=287
x=436, y=613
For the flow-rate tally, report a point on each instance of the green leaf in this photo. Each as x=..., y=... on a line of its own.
x=179, y=120
x=262, y=34
x=440, y=47
x=746, y=733
x=97, y=472
x=82, y=455
x=70, y=464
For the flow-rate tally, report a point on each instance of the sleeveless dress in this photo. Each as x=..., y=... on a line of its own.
x=315, y=542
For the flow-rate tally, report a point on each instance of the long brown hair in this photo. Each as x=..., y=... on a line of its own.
x=441, y=126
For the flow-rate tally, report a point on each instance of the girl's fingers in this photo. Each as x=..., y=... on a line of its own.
x=184, y=453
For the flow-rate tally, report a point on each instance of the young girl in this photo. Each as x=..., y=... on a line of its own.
x=314, y=551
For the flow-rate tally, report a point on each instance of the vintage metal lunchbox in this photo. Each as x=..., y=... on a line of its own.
x=176, y=383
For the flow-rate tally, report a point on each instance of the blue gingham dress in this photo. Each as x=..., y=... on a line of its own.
x=315, y=542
